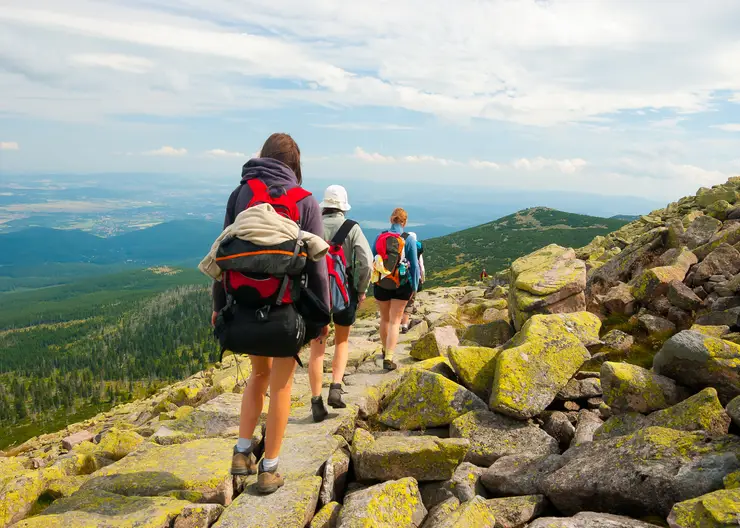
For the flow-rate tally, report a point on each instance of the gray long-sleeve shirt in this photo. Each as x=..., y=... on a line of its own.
x=356, y=250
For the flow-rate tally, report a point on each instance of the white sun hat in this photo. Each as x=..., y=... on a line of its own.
x=335, y=197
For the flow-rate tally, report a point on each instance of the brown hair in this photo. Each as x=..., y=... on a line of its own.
x=399, y=216
x=282, y=147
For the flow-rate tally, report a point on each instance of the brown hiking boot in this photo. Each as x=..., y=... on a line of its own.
x=269, y=481
x=243, y=462
x=389, y=365
x=335, y=396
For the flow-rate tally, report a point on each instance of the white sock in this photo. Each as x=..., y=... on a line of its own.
x=268, y=464
x=244, y=444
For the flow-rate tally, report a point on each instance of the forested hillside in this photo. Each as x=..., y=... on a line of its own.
x=460, y=256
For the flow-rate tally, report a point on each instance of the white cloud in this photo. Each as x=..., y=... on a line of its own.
x=375, y=157
x=363, y=126
x=9, y=145
x=167, y=151
x=221, y=153
x=566, y=166
x=728, y=127
x=114, y=61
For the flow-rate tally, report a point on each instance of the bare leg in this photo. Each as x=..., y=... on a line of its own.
x=281, y=383
x=405, y=319
x=385, y=310
x=253, y=398
x=316, y=365
x=341, y=352
x=394, y=326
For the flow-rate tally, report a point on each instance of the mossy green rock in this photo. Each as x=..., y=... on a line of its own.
x=732, y=480
x=475, y=512
x=717, y=331
x=490, y=334
x=475, y=367
x=438, y=365
x=327, y=517
x=629, y=388
x=292, y=505
x=100, y=509
x=720, y=509
x=708, y=197
x=201, y=466
x=20, y=489
x=435, y=343
x=697, y=361
x=424, y=399
x=543, y=357
x=648, y=472
x=424, y=458
x=116, y=443
x=393, y=504
x=517, y=511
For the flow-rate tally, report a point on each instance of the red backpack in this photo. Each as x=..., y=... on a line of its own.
x=391, y=248
x=337, y=265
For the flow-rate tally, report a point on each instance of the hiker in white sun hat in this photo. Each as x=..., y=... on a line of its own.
x=335, y=197
x=350, y=264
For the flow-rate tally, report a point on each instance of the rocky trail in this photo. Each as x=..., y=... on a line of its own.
x=596, y=387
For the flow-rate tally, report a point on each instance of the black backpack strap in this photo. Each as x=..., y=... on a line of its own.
x=343, y=232
x=405, y=236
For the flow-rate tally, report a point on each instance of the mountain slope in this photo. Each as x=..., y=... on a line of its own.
x=460, y=256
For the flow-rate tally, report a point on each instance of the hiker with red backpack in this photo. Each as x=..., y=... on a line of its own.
x=273, y=295
x=349, y=264
x=395, y=275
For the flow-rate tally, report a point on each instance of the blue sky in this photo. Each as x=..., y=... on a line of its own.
x=607, y=96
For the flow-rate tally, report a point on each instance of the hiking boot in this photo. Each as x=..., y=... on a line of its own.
x=318, y=409
x=335, y=396
x=243, y=462
x=404, y=329
x=269, y=481
x=389, y=365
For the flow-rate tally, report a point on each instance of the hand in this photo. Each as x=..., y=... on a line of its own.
x=361, y=299
x=213, y=319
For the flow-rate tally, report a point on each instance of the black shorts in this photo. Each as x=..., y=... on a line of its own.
x=403, y=293
x=347, y=317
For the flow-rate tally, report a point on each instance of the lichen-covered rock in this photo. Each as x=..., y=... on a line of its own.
x=439, y=365
x=670, y=466
x=217, y=417
x=538, y=363
x=424, y=458
x=711, y=331
x=464, y=485
x=393, y=504
x=724, y=259
x=697, y=361
x=590, y=520
x=201, y=466
x=579, y=389
x=700, y=231
x=116, y=443
x=654, y=282
x=472, y=513
x=198, y=516
x=588, y=423
x=475, y=367
x=435, y=343
x=519, y=474
x=493, y=436
x=441, y=511
x=292, y=505
x=700, y=412
x=512, y=512
x=733, y=410
x=629, y=388
x=335, y=474
x=617, y=341
x=20, y=489
x=415, y=332
x=718, y=509
x=424, y=399
x=72, y=440
x=100, y=508
x=489, y=335
x=327, y=517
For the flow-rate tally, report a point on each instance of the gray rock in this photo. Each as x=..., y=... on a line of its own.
x=519, y=474
x=68, y=442
x=681, y=318
x=618, y=340
x=435, y=343
x=619, y=300
x=559, y=427
x=393, y=504
x=198, y=515
x=491, y=335
x=733, y=410
x=441, y=511
x=725, y=259
x=701, y=231
x=581, y=389
x=511, y=512
x=464, y=485
x=656, y=325
x=590, y=520
x=631, y=388
x=697, y=361
x=683, y=297
x=726, y=303
x=493, y=436
x=730, y=235
x=588, y=423
x=700, y=292
x=472, y=513
x=334, y=483
x=729, y=318
x=648, y=472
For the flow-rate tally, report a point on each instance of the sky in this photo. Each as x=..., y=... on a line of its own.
x=613, y=97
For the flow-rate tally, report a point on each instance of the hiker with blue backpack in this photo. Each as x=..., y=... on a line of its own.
x=271, y=294
x=349, y=264
x=395, y=276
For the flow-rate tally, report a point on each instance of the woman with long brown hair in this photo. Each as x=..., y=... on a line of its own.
x=275, y=175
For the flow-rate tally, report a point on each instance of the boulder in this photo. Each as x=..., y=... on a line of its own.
x=725, y=259
x=464, y=486
x=475, y=367
x=424, y=399
x=335, y=474
x=706, y=197
x=490, y=335
x=493, y=436
x=472, y=513
x=622, y=266
x=617, y=341
x=218, y=417
x=424, y=458
x=629, y=388
x=393, y=504
x=590, y=520
x=701, y=231
x=733, y=410
x=292, y=505
x=512, y=512
x=711, y=331
x=519, y=474
x=435, y=343
x=578, y=389
x=327, y=517
x=697, y=361
x=656, y=326
x=72, y=440
x=415, y=332
x=588, y=423
x=20, y=489
x=714, y=510
x=700, y=412
x=198, y=515
x=439, y=365
x=558, y=426
x=539, y=362
x=117, y=443
x=619, y=300
x=649, y=472
x=440, y=512
x=654, y=282
x=100, y=508
x=683, y=297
